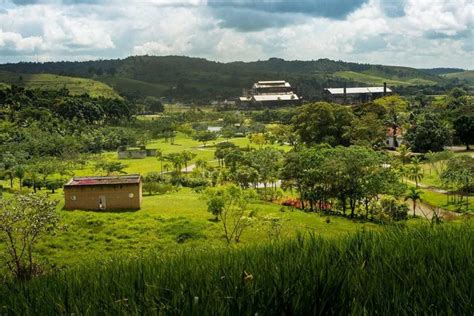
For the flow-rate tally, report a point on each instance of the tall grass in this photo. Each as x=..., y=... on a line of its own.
x=398, y=271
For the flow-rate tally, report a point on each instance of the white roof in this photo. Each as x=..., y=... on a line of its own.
x=357, y=90
x=275, y=97
x=244, y=99
x=214, y=128
x=272, y=84
x=272, y=81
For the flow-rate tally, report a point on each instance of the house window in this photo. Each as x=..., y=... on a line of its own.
x=73, y=197
x=131, y=195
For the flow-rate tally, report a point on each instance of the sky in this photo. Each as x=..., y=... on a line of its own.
x=415, y=33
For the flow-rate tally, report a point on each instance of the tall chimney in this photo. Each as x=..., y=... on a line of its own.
x=384, y=88
x=345, y=93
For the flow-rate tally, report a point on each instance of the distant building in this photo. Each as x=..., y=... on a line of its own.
x=269, y=93
x=103, y=193
x=356, y=94
x=214, y=129
x=141, y=152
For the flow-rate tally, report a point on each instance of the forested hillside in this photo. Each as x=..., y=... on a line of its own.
x=200, y=80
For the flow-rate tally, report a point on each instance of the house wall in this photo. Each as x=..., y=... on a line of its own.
x=116, y=197
x=132, y=154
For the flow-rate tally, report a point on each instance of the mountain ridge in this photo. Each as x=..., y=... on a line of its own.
x=199, y=79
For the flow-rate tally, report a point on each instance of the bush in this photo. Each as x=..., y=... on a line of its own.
x=391, y=209
x=157, y=187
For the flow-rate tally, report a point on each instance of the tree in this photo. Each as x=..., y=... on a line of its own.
x=160, y=157
x=110, y=167
x=368, y=130
x=415, y=171
x=323, y=123
x=429, y=133
x=25, y=219
x=458, y=175
x=153, y=105
x=464, y=129
x=20, y=172
x=258, y=139
x=404, y=153
x=229, y=204
x=187, y=156
x=415, y=196
x=176, y=159
x=205, y=136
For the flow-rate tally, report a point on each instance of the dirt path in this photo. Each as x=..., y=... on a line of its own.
x=190, y=168
x=424, y=210
x=429, y=188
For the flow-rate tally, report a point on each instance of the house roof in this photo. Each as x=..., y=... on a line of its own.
x=275, y=97
x=357, y=90
x=110, y=180
x=271, y=84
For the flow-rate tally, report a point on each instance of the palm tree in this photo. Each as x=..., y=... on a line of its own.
x=160, y=157
x=404, y=153
x=414, y=195
x=416, y=172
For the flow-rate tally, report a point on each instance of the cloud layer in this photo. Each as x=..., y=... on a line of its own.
x=419, y=33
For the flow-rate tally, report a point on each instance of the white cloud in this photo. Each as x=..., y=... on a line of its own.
x=16, y=42
x=421, y=33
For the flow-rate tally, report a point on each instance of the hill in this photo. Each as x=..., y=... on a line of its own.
x=441, y=71
x=467, y=75
x=76, y=86
x=198, y=79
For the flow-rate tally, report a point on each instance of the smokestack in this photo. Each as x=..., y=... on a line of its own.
x=345, y=92
x=384, y=88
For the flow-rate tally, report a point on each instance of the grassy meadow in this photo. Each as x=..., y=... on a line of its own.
x=165, y=221
x=427, y=270
x=179, y=219
x=373, y=79
x=76, y=86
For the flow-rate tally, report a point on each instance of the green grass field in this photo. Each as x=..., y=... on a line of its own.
x=76, y=86
x=376, y=80
x=399, y=271
x=164, y=219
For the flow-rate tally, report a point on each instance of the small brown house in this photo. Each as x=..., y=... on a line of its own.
x=103, y=193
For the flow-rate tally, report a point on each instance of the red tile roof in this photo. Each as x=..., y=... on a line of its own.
x=112, y=180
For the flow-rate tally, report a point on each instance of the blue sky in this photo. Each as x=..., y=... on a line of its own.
x=417, y=33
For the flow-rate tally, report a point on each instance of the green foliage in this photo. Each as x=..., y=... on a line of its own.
x=110, y=167
x=299, y=277
x=205, y=136
x=429, y=133
x=24, y=219
x=198, y=80
x=322, y=122
x=392, y=210
x=464, y=129
x=229, y=205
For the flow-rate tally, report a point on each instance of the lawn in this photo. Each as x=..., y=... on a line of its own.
x=165, y=222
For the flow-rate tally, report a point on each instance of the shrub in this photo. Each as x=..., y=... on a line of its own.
x=391, y=209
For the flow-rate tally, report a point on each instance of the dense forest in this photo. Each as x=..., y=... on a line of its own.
x=199, y=80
